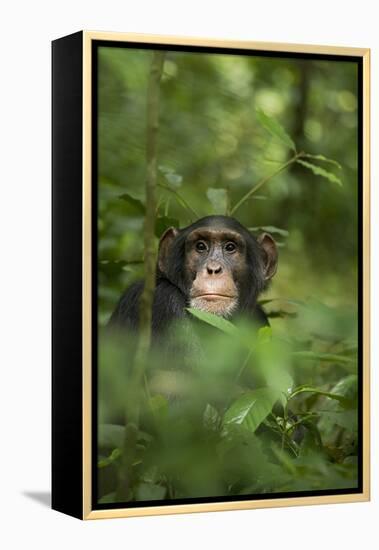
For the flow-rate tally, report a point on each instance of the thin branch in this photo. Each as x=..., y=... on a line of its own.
x=129, y=451
x=179, y=198
x=263, y=181
x=145, y=312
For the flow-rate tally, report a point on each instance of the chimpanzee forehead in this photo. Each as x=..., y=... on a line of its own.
x=217, y=225
x=214, y=234
x=217, y=222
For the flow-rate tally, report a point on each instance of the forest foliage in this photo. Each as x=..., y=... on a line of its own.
x=272, y=142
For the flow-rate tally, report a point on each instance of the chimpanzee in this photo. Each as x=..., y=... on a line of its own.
x=214, y=265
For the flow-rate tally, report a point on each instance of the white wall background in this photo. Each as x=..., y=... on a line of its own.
x=26, y=31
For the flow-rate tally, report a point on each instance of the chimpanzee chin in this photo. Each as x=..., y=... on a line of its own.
x=214, y=265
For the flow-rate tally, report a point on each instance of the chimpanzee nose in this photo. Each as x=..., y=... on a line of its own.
x=214, y=268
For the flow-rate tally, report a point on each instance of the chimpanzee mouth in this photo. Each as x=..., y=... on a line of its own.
x=219, y=304
x=213, y=296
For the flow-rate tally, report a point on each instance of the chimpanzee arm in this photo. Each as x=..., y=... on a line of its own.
x=169, y=305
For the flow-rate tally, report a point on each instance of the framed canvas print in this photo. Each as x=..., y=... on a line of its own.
x=210, y=275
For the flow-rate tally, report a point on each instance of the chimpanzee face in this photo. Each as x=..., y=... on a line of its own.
x=215, y=260
x=218, y=264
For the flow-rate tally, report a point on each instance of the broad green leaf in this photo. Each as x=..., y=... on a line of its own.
x=275, y=129
x=318, y=171
x=219, y=200
x=164, y=222
x=272, y=358
x=328, y=357
x=251, y=409
x=324, y=159
x=150, y=491
x=214, y=320
x=284, y=460
x=136, y=206
x=348, y=387
x=310, y=389
x=347, y=419
x=270, y=229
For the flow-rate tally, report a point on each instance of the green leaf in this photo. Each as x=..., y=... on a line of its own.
x=310, y=389
x=328, y=357
x=219, y=200
x=211, y=418
x=264, y=335
x=164, y=222
x=272, y=359
x=135, y=206
x=150, y=491
x=251, y=409
x=258, y=198
x=346, y=419
x=275, y=129
x=270, y=229
x=323, y=159
x=214, y=320
x=318, y=171
x=348, y=387
x=175, y=180
x=113, y=457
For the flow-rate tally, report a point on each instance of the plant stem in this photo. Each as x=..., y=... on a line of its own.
x=150, y=258
x=263, y=181
x=129, y=450
x=179, y=198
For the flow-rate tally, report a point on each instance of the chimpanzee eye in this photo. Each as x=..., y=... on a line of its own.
x=230, y=247
x=201, y=246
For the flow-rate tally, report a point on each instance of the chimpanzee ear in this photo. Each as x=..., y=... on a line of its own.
x=270, y=254
x=165, y=244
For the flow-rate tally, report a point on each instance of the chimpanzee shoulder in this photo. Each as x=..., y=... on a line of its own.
x=169, y=303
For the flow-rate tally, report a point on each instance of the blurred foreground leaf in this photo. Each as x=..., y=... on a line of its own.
x=215, y=321
x=251, y=409
x=328, y=357
x=310, y=389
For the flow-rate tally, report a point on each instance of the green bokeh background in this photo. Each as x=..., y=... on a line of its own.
x=210, y=137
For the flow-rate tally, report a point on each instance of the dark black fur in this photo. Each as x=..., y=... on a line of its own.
x=171, y=294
